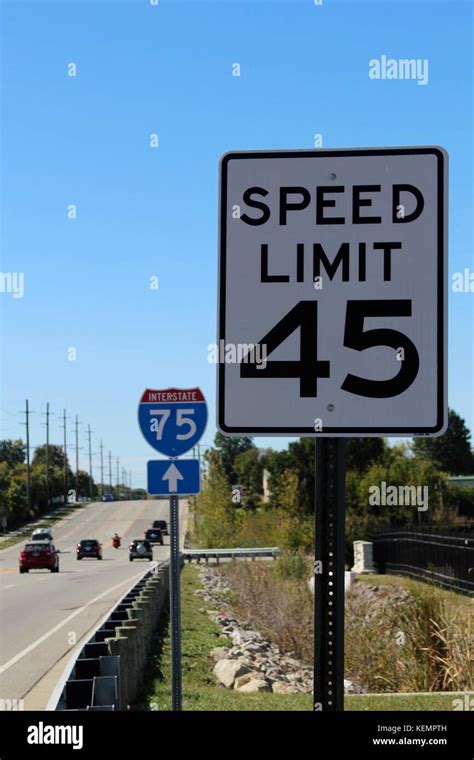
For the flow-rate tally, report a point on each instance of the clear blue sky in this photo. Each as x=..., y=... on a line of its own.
x=143, y=212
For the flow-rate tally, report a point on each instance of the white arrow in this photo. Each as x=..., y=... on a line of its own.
x=172, y=475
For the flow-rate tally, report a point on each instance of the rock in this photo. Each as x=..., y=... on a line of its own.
x=220, y=653
x=226, y=671
x=294, y=677
x=280, y=687
x=241, y=636
x=242, y=680
x=352, y=688
x=292, y=662
x=255, y=684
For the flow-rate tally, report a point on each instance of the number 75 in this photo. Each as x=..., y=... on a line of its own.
x=183, y=417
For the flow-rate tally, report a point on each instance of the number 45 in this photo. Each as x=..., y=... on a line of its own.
x=304, y=316
x=182, y=418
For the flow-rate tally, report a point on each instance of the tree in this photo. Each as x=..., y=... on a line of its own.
x=12, y=452
x=13, y=493
x=55, y=456
x=55, y=474
x=248, y=469
x=226, y=450
x=219, y=521
x=451, y=451
x=296, y=526
x=300, y=458
x=84, y=485
x=361, y=453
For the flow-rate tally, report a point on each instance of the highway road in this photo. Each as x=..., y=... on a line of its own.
x=44, y=616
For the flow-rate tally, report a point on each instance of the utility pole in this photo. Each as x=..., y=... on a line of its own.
x=28, y=479
x=110, y=471
x=118, y=485
x=65, y=457
x=130, y=483
x=47, y=415
x=90, y=461
x=77, y=458
x=101, y=468
x=47, y=454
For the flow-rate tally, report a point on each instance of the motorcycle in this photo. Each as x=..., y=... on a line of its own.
x=116, y=542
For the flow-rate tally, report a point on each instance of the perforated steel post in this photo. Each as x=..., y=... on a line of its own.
x=175, y=608
x=329, y=575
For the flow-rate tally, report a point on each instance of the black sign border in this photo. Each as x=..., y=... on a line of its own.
x=441, y=325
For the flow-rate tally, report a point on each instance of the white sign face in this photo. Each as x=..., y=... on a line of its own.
x=332, y=313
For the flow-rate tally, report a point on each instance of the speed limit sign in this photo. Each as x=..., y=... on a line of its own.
x=332, y=309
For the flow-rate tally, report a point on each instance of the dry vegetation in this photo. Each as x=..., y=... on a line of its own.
x=405, y=637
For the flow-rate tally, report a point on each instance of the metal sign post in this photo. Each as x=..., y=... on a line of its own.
x=175, y=607
x=329, y=567
x=173, y=420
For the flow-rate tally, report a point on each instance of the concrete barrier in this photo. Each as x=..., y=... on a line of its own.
x=133, y=637
x=126, y=633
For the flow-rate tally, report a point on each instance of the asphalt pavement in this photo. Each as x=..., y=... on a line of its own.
x=44, y=616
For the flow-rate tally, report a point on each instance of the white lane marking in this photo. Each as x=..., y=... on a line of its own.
x=56, y=628
x=17, y=585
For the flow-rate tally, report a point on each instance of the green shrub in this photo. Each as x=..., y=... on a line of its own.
x=294, y=565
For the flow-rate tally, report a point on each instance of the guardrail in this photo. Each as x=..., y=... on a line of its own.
x=103, y=673
x=218, y=554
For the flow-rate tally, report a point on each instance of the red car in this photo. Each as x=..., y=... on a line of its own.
x=39, y=555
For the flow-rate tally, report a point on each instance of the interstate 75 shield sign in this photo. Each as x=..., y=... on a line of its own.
x=332, y=311
x=172, y=420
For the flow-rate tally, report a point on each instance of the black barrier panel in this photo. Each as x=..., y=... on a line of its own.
x=79, y=693
x=87, y=668
x=95, y=649
x=441, y=556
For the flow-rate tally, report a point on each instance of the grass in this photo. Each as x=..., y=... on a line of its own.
x=201, y=692
x=25, y=532
x=368, y=702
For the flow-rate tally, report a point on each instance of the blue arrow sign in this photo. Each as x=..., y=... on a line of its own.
x=168, y=478
x=172, y=420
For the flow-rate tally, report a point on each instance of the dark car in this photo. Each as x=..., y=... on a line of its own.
x=89, y=547
x=154, y=536
x=140, y=548
x=39, y=555
x=107, y=497
x=162, y=525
